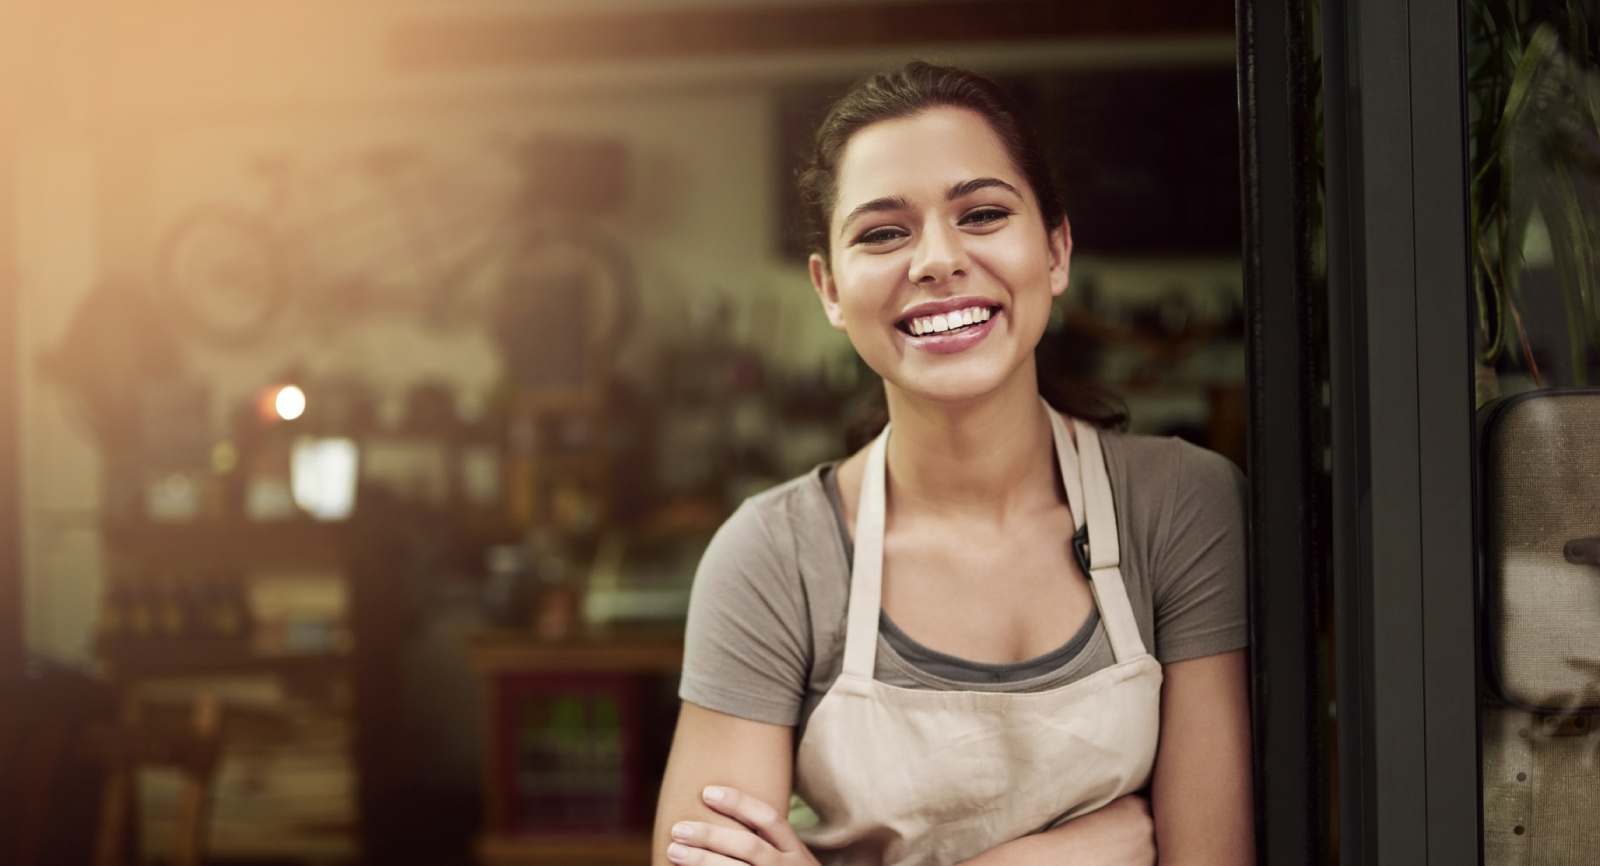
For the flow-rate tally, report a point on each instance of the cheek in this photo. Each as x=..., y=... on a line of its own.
x=868, y=286
x=1024, y=266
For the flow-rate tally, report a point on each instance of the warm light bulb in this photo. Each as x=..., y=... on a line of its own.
x=290, y=402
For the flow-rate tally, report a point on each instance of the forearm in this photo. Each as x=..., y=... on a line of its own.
x=1057, y=845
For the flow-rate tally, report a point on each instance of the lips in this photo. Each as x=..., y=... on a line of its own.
x=948, y=326
x=941, y=317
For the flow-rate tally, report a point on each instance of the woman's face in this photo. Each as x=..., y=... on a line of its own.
x=942, y=269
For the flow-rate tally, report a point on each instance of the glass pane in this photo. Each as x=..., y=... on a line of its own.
x=523, y=328
x=1534, y=132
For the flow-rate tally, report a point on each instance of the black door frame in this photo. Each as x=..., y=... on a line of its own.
x=1287, y=499
x=1402, y=498
x=1394, y=520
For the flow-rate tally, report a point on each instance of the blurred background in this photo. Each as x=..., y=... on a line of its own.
x=381, y=369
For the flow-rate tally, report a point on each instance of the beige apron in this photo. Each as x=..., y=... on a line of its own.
x=909, y=776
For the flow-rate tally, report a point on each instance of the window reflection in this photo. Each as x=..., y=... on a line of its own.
x=1533, y=87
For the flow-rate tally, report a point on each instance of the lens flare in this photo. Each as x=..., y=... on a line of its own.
x=290, y=403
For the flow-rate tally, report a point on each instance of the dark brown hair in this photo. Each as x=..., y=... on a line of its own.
x=911, y=90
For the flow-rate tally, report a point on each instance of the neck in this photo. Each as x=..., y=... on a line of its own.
x=991, y=455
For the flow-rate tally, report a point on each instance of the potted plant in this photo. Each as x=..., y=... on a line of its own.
x=1534, y=113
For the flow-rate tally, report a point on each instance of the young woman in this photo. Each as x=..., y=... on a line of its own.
x=1001, y=633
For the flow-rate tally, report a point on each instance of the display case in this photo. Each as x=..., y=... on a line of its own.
x=575, y=739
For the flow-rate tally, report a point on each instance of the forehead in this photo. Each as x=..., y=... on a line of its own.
x=922, y=153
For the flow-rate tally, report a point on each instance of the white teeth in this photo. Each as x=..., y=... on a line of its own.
x=948, y=321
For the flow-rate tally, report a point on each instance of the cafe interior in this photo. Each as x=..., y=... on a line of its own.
x=381, y=370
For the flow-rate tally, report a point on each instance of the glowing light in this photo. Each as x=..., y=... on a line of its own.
x=290, y=402
x=323, y=475
x=224, y=457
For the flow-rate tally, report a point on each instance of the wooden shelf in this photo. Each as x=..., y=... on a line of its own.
x=366, y=553
x=161, y=658
x=643, y=651
x=506, y=850
x=207, y=544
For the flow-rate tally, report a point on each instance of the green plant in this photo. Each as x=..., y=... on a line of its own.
x=1534, y=114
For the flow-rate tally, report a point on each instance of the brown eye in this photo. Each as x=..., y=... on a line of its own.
x=985, y=216
x=881, y=235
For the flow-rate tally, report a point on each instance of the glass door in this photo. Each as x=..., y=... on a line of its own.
x=1533, y=133
x=1463, y=312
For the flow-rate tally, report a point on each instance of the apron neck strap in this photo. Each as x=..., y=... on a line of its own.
x=866, y=574
x=1067, y=459
x=1105, y=577
x=1083, y=472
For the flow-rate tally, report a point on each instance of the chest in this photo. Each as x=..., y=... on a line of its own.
x=986, y=594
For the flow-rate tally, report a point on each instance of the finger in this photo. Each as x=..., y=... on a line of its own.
x=688, y=855
x=772, y=825
x=698, y=842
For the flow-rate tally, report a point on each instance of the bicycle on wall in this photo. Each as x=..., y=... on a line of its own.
x=370, y=234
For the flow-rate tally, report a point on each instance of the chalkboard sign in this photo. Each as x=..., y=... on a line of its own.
x=1147, y=159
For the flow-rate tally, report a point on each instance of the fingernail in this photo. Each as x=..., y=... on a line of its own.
x=676, y=851
x=680, y=831
x=712, y=794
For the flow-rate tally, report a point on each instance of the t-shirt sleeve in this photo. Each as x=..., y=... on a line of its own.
x=747, y=648
x=1201, y=606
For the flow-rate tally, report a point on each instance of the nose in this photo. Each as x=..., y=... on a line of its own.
x=939, y=254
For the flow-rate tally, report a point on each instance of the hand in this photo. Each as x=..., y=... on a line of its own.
x=766, y=839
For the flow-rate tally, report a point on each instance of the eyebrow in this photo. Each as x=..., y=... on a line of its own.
x=968, y=187
x=900, y=202
x=878, y=205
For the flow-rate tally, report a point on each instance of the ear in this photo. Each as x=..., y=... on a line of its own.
x=1060, y=256
x=827, y=290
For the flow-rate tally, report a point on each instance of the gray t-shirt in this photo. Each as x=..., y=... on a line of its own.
x=767, y=615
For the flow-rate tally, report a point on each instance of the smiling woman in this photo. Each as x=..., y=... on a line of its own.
x=1006, y=633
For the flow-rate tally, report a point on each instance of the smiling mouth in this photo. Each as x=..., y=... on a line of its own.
x=944, y=323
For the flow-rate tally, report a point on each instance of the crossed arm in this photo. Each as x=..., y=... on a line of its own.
x=1199, y=811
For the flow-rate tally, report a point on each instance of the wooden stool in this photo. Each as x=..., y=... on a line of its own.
x=142, y=738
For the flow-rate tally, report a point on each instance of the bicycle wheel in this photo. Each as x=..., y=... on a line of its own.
x=220, y=275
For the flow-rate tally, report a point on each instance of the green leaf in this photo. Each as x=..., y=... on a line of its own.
x=1574, y=269
x=1528, y=67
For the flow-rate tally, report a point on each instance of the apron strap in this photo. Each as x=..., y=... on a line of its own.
x=1110, y=592
x=1083, y=472
x=866, y=574
x=1067, y=457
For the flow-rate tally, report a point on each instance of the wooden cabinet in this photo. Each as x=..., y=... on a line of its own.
x=357, y=727
x=631, y=671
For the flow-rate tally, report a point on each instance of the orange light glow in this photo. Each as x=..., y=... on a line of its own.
x=280, y=403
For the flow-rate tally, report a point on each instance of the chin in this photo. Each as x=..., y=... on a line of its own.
x=952, y=385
